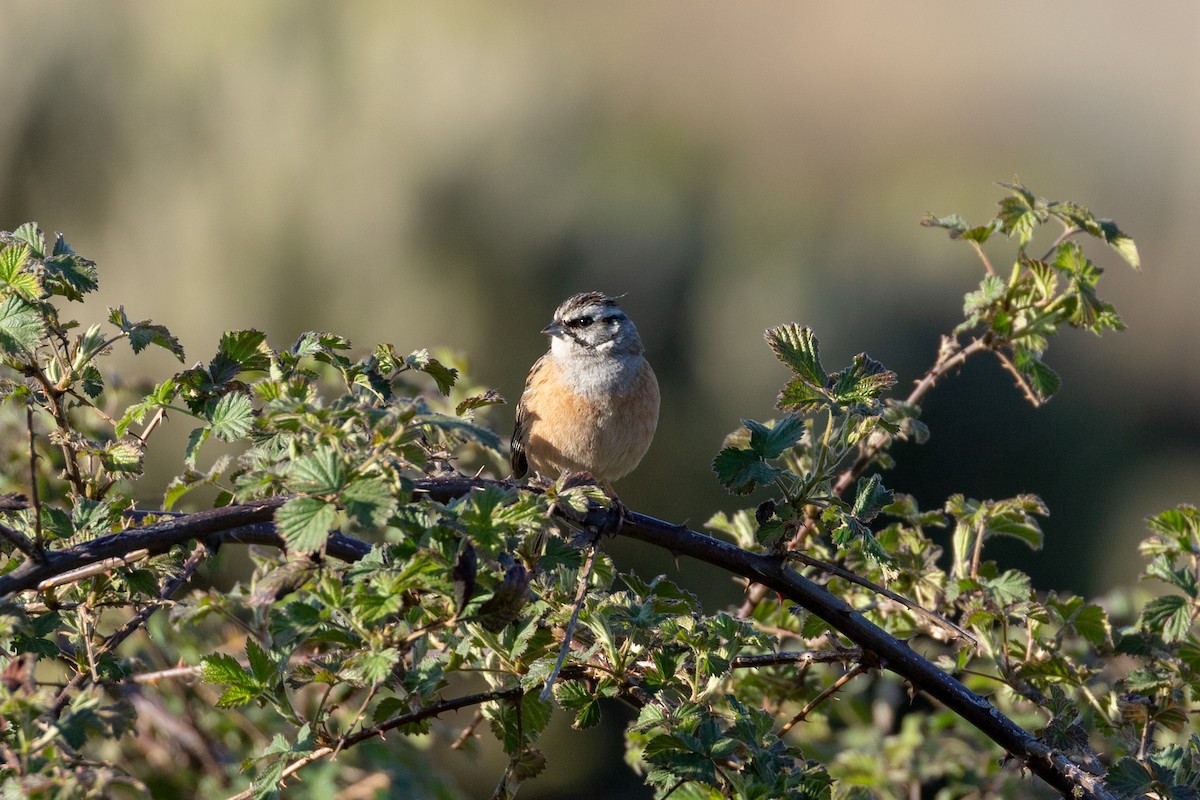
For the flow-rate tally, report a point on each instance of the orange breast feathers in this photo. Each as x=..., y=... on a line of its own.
x=605, y=434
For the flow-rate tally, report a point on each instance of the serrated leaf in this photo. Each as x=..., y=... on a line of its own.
x=1008, y=588
x=1169, y=616
x=260, y=663
x=14, y=277
x=123, y=456
x=798, y=348
x=319, y=472
x=1128, y=778
x=369, y=501
x=861, y=382
x=196, y=438
x=21, y=327
x=991, y=290
x=31, y=235
x=1041, y=380
x=1120, y=242
x=232, y=417
x=144, y=333
x=489, y=398
x=770, y=442
x=442, y=375
x=871, y=497
x=954, y=223
x=235, y=696
x=247, y=349
x=375, y=666
x=1182, y=579
x=223, y=669
x=1091, y=622
x=740, y=471
x=304, y=523
x=801, y=396
x=70, y=276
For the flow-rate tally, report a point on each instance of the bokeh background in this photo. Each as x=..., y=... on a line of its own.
x=443, y=174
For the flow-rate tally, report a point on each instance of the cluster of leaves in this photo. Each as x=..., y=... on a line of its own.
x=1016, y=317
x=463, y=600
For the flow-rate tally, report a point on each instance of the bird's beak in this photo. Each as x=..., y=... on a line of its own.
x=553, y=329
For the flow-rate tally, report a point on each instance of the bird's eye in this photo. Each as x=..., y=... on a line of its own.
x=580, y=322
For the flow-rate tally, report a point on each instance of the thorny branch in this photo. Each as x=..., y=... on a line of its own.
x=250, y=523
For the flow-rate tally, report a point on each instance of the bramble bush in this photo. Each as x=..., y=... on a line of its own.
x=392, y=581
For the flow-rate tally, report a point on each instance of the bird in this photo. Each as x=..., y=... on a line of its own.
x=591, y=402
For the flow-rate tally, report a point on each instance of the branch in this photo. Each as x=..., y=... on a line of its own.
x=892, y=654
x=249, y=523
x=394, y=722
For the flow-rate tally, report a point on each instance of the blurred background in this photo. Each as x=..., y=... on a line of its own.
x=443, y=174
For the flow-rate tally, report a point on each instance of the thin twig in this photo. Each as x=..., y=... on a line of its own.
x=799, y=658
x=76, y=575
x=33, y=479
x=122, y=633
x=917, y=608
x=164, y=674
x=389, y=724
x=1020, y=380
x=568, y=635
x=362, y=710
x=155, y=421
x=468, y=731
x=828, y=692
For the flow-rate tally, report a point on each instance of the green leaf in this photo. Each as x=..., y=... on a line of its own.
x=991, y=290
x=799, y=349
x=954, y=223
x=144, y=333
x=232, y=417
x=123, y=456
x=1091, y=622
x=1182, y=579
x=14, y=277
x=1120, y=242
x=489, y=398
x=224, y=669
x=1009, y=588
x=1128, y=778
x=771, y=442
x=801, y=396
x=246, y=349
x=70, y=276
x=1021, y=213
x=862, y=382
x=369, y=501
x=196, y=439
x=30, y=235
x=304, y=523
x=319, y=472
x=375, y=666
x=235, y=696
x=444, y=376
x=871, y=498
x=1169, y=616
x=21, y=327
x=740, y=471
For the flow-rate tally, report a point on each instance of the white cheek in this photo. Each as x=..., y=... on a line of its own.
x=561, y=346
